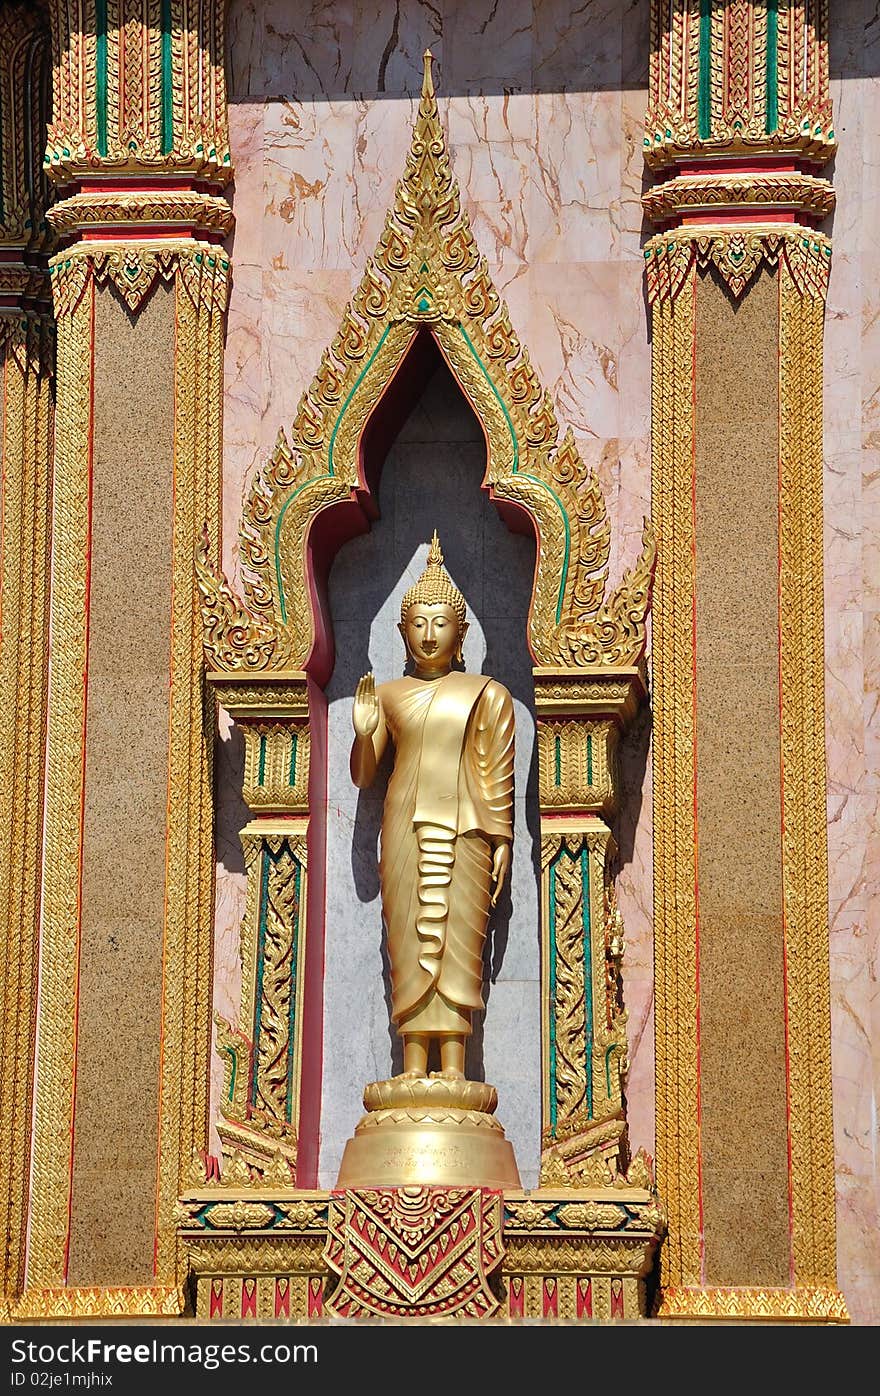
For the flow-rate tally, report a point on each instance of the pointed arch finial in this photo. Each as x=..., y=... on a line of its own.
x=427, y=74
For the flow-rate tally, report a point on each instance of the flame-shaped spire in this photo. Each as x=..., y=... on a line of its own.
x=427, y=74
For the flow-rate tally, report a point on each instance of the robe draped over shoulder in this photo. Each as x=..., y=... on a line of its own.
x=449, y=801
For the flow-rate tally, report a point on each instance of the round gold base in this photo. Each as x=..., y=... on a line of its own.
x=420, y=1139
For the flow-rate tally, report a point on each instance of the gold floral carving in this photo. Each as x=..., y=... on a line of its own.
x=584, y=1137
x=25, y=446
x=675, y=965
x=25, y=63
x=161, y=1301
x=715, y=193
x=737, y=254
x=804, y=846
x=427, y=275
x=133, y=269
x=414, y=1252
x=120, y=209
x=56, y=1028
x=260, y=1101
x=152, y=100
x=818, y=1304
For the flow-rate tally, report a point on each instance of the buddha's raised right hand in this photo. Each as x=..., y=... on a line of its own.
x=365, y=713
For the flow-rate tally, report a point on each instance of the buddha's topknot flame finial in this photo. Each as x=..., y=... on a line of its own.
x=435, y=587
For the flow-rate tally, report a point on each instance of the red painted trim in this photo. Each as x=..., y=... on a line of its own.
x=142, y=185
x=584, y=1303
x=137, y=231
x=89, y=282
x=282, y=1298
x=249, y=1299
x=781, y=164
x=216, y=1305
x=312, y=1068
x=779, y=642
x=699, y=1159
x=745, y=213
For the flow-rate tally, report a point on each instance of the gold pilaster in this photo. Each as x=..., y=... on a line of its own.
x=581, y=715
x=260, y=1105
x=139, y=95
x=738, y=126
x=26, y=426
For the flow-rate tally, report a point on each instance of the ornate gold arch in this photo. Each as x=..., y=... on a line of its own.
x=427, y=273
x=265, y=661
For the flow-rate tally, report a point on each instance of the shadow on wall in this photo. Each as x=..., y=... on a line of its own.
x=307, y=52
x=431, y=479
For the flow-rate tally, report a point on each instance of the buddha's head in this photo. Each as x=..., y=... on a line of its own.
x=432, y=617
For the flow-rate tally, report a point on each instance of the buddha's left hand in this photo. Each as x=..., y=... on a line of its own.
x=500, y=866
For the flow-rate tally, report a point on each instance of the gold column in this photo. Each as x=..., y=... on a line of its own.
x=138, y=151
x=260, y=1110
x=26, y=423
x=738, y=127
x=582, y=714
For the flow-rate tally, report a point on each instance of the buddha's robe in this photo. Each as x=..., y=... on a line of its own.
x=449, y=802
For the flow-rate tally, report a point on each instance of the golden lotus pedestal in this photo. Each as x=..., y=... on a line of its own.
x=429, y=1131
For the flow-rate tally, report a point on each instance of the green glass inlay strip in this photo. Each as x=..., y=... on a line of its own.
x=101, y=74
x=261, y=777
x=232, y=1075
x=772, y=71
x=589, y=759
x=345, y=406
x=167, y=104
x=261, y=955
x=588, y=978
x=552, y=1013
x=558, y=758
x=515, y=470
x=282, y=605
x=704, y=85
x=292, y=773
x=291, y=1022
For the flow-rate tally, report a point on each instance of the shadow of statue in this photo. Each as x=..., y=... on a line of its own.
x=435, y=465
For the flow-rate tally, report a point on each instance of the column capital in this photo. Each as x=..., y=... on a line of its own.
x=739, y=115
x=138, y=144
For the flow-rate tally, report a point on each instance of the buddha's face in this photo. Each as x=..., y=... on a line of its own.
x=432, y=636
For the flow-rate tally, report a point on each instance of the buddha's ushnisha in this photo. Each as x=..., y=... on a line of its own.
x=447, y=820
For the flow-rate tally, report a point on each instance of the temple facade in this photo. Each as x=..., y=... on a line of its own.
x=590, y=290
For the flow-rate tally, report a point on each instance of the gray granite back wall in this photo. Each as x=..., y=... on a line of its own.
x=431, y=478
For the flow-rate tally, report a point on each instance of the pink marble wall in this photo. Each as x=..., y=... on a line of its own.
x=544, y=105
x=852, y=646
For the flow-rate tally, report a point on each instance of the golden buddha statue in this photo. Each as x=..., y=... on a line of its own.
x=445, y=853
